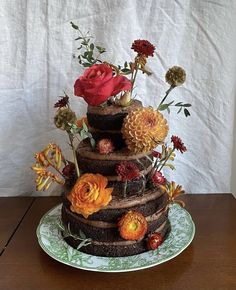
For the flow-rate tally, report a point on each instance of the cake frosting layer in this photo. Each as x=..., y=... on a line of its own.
x=93, y=162
x=119, y=248
x=110, y=117
x=148, y=203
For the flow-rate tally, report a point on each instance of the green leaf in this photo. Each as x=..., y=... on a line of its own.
x=186, y=113
x=126, y=64
x=92, y=46
x=78, y=38
x=100, y=49
x=93, y=143
x=187, y=105
x=180, y=109
x=163, y=107
x=87, y=64
x=83, y=134
x=179, y=104
x=82, y=235
x=74, y=26
x=85, y=127
x=126, y=70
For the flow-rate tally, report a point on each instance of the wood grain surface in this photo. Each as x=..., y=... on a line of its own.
x=12, y=210
x=209, y=263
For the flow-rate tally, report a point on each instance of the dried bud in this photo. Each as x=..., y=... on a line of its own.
x=63, y=117
x=175, y=76
x=125, y=99
x=105, y=146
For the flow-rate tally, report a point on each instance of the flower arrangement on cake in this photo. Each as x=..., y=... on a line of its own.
x=116, y=197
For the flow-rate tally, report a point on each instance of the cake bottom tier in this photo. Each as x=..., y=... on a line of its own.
x=119, y=248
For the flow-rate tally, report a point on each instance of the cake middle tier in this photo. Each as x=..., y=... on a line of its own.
x=90, y=161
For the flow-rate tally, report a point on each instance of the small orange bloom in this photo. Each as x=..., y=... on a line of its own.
x=132, y=226
x=79, y=122
x=89, y=194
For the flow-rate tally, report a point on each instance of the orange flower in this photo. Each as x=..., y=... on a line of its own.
x=89, y=194
x=79, y=122
x=173, y=190
x=132, y=226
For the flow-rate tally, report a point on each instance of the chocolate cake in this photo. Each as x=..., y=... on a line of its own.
x=132, y=196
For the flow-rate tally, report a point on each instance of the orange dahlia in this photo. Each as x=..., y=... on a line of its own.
x=89, y=194
x=132, y=226
x=143, y=129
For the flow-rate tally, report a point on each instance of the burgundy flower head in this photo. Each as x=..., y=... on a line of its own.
x=158, y=178
x=127, y=171
x=143, y=47
x=178, y=144
x=156, y=154
x=63, y=102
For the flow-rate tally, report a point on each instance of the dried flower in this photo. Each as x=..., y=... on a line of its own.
x=50, y=156
x=105, y=146
x=63, y=102
x=63, y=117
x=175, y=76
x=143, y=47
x=127, y=171
x=132, y=226
x=154, y=241
x=143, y=129
x=90, y=194
x=178, y=144
x=173, y=190
x=79, y=122
x=158, y=178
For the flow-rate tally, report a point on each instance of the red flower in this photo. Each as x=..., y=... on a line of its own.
x=63, y=102
x=178, y=144
x=154, y=241
x=143, y=47
x=127, y=171
x=105, y=146
x=98, y=84
x=156, y=154
x=158, y=178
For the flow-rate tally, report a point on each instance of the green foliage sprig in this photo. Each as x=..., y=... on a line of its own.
x=66, y=232
x=89, y=52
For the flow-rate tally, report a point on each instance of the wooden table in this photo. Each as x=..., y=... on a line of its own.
x=208, y=263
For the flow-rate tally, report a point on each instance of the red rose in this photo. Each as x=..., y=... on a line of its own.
x=98, y=84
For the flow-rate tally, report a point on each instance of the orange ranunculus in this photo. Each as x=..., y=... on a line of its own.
x=79, y=122
x=89, y=194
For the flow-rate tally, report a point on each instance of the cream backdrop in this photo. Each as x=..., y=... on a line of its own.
x=36, y=66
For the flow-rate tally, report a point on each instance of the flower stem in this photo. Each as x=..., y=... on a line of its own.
x=167, y=158
x=134, y=77
x=74, y=154
x=167, y=93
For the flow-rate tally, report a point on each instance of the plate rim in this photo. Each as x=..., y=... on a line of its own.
x=71, y=264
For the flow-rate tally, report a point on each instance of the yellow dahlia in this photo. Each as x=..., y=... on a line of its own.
x=143, y=129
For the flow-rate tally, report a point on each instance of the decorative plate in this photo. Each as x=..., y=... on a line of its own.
x=51, y=241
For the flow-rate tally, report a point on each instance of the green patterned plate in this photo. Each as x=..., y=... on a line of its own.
x=49, y=237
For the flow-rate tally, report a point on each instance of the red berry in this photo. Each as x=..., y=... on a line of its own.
x=69, y=170
x=154, y=241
